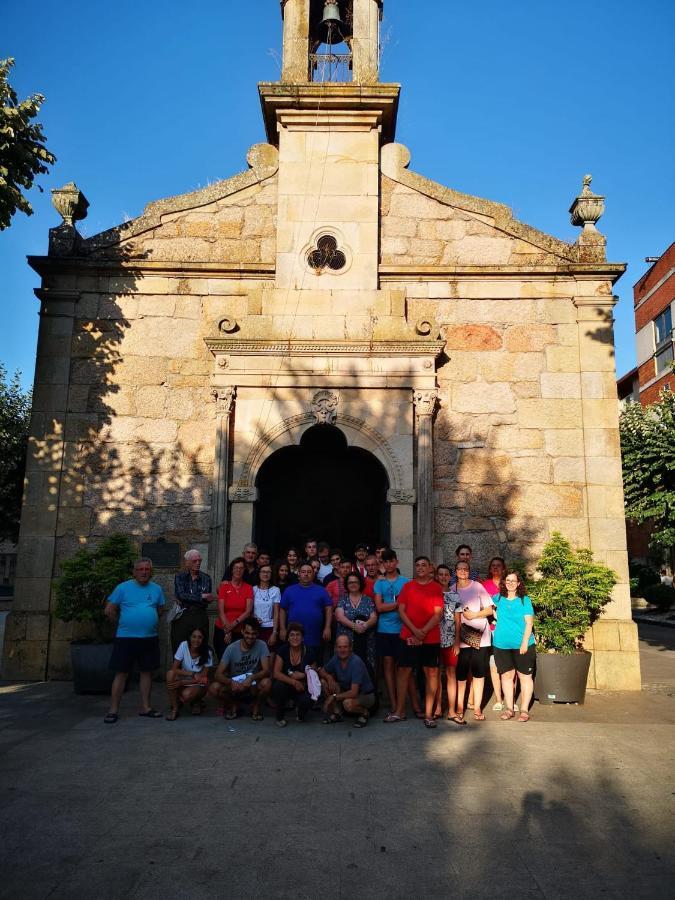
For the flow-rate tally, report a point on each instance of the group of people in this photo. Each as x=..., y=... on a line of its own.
x=318, y=629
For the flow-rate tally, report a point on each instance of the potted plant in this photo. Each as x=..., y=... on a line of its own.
x=568, y=598
x=86, y=582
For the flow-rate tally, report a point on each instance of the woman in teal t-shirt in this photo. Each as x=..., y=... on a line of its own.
x=513, y=643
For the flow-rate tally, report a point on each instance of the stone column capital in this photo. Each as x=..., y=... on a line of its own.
x=402, y=497
x=224, y=400
x=595, y=308
x=243, y=494
x=425, y=402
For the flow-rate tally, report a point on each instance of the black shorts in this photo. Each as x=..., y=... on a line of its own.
x=508, y=660
x=475, y=661
x=387, y=644
x=426, y=656
x=143, y=652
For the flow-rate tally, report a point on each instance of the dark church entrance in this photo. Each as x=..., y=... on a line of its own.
x=323, y=489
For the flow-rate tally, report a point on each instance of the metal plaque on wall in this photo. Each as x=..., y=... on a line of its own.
x=164, y=555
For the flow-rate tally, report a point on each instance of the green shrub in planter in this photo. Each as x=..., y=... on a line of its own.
x=87, y=580
x=569, y=597
x=661, y=595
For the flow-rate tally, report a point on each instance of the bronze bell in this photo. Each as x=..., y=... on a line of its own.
x=331, y=14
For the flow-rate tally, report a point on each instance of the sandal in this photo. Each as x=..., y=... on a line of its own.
x=457, y=720
x=392, y=717
x=361, y=722
x=479, y=717
x=150, y=714
x=332, y=719
x=230, y=716
x=111, y=718
x=430, y=723
x=282, y=723
x=172, y=716
x=506, y=715
x=257, y=717
x=524, y=717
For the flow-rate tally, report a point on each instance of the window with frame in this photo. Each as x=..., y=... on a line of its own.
x=663, y=340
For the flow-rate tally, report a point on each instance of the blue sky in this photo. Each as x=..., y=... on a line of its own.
x=510, y=101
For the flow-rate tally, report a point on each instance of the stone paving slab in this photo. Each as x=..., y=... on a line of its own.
x=577, y=803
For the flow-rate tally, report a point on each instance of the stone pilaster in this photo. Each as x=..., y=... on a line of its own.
x=613, y=640
x=28, y=625
x=425, y=407
x=218, y=549
x=243, y=500
x=366, y=41
x=295, y=66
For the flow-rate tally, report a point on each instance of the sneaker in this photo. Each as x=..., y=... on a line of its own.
x=498, y=707
x=281, y=723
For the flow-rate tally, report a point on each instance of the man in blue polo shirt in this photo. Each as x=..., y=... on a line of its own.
x=310, y=605
x=135, y=606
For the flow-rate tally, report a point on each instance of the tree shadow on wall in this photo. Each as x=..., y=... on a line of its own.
x=131, y=463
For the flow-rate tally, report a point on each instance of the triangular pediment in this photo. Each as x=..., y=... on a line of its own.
x=231, y=220
x=427, y=224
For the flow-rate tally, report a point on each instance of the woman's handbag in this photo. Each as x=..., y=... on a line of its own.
x=469, y=635
x=175, y=612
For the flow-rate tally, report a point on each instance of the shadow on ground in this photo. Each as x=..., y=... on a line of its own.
x=577, y=803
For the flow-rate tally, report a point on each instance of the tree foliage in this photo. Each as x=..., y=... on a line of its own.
x=23, y=153
x=648, y=456
x=570, y=595
x=14, y=421
x=88, y=579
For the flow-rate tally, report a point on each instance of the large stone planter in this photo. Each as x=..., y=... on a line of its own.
x=562, y=677
x=91, y=674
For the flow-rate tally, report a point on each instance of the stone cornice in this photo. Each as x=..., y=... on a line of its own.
x=276, y=97
x=564, y=269
x=236, y=347
x=50, y=265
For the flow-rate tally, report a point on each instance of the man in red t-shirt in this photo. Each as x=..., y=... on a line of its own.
x=420, y=606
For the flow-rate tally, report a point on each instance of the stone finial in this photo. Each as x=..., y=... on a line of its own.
x=584, y=213
x=588, y=207
x=70, y=203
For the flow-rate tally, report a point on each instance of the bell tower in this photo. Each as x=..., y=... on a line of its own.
x=329, y=115
x=312, y=26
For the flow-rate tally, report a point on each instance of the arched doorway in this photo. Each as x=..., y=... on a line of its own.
x=322, y=488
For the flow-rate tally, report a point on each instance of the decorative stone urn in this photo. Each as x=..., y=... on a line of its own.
x=588, y=207
x=70, y=203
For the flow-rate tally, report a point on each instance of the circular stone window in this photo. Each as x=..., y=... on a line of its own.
x=326, y=255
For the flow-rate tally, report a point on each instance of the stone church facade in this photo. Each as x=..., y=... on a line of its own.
x=331, y=287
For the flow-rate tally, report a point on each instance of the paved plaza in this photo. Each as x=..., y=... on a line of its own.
x=577, y=803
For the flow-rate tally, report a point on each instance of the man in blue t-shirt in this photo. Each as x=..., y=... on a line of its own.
x=346, y=685
x=135, y=606
x=387, y=588
x=309, y=604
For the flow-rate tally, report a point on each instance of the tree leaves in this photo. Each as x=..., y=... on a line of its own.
x=23, y=154
x=648, y=456
x=15, y=407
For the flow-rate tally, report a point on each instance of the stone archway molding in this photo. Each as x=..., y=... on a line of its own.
x=288, y=433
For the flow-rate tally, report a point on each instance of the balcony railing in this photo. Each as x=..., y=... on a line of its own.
x=331, y=67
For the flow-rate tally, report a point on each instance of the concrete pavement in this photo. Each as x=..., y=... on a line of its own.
x=577, y=803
